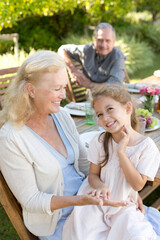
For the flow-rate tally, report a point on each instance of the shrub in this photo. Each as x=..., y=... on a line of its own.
x=76, y=39
x=9, y=60
x=138, y=54
x=144, y=32
x=44, y=32
x=151, y=34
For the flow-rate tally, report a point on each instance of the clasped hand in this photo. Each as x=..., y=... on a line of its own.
x=80, y=79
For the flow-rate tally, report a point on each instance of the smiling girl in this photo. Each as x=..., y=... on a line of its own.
x=122, y=160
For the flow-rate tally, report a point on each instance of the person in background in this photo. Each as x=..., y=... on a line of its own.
x=41, y=155
x=122, y=160
x=101, y=61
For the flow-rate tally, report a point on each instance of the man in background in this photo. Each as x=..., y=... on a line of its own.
x=101, y=62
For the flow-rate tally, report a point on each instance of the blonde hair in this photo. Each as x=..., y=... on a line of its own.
x=17, y=106
x=120, y=94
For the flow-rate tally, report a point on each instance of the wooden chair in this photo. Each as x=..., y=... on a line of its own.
x=150, y=188
x=6, y=76
x=78, y=94
x=14, y=211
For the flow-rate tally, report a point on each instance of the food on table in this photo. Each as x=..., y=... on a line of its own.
x=151, y=122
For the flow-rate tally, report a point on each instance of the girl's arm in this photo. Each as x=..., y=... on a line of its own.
x=95, y=182
x=133, y=177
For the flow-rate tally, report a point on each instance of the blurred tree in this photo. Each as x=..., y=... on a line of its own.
x=107, y=10
x=13, y=10
x=152, y=6
x=96, y=10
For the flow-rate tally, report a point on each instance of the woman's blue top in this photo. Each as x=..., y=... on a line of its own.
x=72, y=180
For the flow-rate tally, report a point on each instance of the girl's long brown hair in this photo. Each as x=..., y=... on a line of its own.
x=120, y=94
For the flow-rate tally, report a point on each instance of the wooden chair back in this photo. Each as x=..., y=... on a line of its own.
x=14, y=211
x=75, y=93
x=6, y=76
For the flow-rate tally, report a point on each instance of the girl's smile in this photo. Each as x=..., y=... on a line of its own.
x=110, y=124
x=112, y=115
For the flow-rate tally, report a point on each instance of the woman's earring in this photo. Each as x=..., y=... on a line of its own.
x=32, y=95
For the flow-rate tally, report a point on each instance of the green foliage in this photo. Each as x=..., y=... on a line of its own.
x=7, y=232
x=151, y=6
x=12, y=11
x=9, y=60
x=138, y=17
x=44, y=32
x=76, y=39
x=151, y=34
x=143, y=32
x=147, y=71
x=6, y=46
x=138, y=54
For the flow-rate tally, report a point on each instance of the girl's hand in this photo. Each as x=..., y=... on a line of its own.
x=121, y=147
x=103, y=194
x=139, y=204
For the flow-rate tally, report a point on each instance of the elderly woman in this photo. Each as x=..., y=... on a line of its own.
x=41, y=153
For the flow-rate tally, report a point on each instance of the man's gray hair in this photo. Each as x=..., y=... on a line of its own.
x=102, y=26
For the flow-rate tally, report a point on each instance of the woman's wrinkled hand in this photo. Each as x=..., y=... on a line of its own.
x=93, y=200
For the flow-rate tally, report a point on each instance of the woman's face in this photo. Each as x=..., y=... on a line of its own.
x=111, y=114
x=50, y=91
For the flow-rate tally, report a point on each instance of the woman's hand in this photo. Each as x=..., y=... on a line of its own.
x=93, y=200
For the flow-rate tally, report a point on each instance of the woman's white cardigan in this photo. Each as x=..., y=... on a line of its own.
x=34, y=174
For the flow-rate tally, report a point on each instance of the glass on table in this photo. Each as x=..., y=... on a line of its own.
x=90, y=114
x=142, y=124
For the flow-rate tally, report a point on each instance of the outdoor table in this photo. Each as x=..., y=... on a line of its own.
x=152, y=80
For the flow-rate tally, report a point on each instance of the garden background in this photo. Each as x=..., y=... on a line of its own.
x=47, y=24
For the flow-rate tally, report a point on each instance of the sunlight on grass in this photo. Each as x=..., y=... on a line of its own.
x=136, y=17
x=9, y=60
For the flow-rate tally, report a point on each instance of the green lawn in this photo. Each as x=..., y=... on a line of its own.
x=7, y=232
x=145, y=72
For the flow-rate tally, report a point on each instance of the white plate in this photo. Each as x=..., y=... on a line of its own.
x=157, y=73
x=75, y=112
x=133, y=90
x=155, y=127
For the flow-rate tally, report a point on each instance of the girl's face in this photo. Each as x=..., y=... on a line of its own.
x=112, y=115
x=50, y=91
